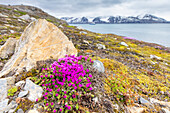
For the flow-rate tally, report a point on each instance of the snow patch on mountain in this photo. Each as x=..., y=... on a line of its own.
x=147, y=18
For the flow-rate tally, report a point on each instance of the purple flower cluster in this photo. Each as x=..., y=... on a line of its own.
x=66, y=75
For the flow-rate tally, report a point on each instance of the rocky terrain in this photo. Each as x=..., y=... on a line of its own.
x=126, y=75
x=147, y=18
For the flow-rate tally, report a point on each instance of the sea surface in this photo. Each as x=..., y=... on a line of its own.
x=154, y=33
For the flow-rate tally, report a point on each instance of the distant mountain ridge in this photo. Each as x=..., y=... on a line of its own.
x=147, y=18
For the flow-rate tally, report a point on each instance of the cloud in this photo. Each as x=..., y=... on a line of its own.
x=77, y=8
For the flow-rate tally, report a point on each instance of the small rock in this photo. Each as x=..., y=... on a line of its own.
x=25, y=17
x=35, y=91
x=83, y=32
x=166, y=64
x=3, y=31
x=19, y=20
x=85, y=42
x=33, y=111
x=98, y=65
x=23, y=93
x=1, y=15
x=20, y=111
x=116, y=106
x=60, y=26
x=161, y=92
x=96, y=100
x=12, y=31
x=33, y=19
x=155, y=57
x=20, y=84
x=100, y=46
x=143, y=101
x=124, y=44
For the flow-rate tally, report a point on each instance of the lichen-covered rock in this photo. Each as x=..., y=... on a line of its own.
x=41, y=40
x=8, y=48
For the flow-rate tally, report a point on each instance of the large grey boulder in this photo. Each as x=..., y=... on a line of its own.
x=35, y=91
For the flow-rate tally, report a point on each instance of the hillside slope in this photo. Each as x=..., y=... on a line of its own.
x=132, y=67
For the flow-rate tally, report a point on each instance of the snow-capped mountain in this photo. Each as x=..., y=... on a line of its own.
x=147, y=18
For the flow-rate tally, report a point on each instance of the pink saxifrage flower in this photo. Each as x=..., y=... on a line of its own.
x=56, y=94
x=90, y=75
x=58, y=90
x=74, y=96
x=52, y=103
x=69, y=107
x=36, y=100
x=90, y=88
x=64, y=96
x=61, y=109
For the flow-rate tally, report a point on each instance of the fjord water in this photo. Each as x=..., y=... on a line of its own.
x=153, y=33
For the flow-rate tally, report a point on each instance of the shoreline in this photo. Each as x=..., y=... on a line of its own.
x=98, y=30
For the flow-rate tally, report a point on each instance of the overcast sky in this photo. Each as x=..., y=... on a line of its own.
x=78, y=8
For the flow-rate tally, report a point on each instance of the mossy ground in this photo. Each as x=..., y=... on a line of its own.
x=130, y=70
